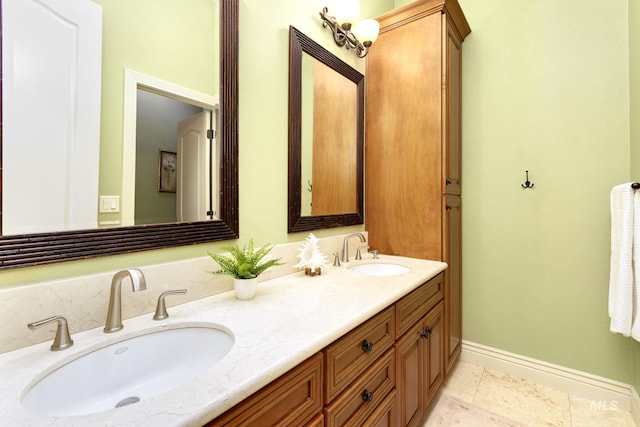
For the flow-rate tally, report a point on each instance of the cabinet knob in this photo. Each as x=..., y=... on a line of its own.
x=449, y=207
x=448, y=181
x=367, y=395
x=367, y=346
x=425, y=334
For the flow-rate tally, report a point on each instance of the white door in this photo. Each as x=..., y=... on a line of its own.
x=197, y=186
x=52, y=64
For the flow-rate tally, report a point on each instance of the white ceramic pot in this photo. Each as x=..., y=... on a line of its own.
x=245, y=288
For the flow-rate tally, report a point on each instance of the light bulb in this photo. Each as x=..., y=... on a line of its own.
x=346, y=11
x=367, y=30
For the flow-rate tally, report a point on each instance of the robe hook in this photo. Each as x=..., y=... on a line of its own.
x=527, y=183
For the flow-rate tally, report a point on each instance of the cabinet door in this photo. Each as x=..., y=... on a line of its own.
x=410, y=376
x=420, y=366
x=403, y=127
x=452, y=120
x=433, y=334
x=452, y=255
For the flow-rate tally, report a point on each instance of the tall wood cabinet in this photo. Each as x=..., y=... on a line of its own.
x=413, y=142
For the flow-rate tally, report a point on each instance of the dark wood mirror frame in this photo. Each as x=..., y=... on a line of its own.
x=44, y=248
x=299, y=43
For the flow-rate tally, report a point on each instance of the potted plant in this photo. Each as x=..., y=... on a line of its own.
x=244, y=265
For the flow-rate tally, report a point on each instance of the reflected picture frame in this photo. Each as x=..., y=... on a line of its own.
x=167, y=171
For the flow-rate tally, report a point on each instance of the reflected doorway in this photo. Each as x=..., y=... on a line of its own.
x=176, y=159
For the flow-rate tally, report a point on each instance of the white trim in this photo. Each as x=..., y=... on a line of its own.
x=132, y=81
x=574, y=382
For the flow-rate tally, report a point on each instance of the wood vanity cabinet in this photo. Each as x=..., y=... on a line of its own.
x=383, y=373
x=413, y=147
x=293, y=399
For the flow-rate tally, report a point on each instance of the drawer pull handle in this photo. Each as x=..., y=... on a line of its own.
x=367, y=346
x=425, y=334
x=367, y=395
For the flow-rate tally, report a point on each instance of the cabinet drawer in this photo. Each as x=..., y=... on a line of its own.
x=350, y=356
x=318, y=421
x=386, y=414
x=363, y=397
x=413, y=306
x=293, y=399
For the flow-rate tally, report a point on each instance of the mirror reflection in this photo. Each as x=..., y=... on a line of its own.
x=326, y=142
x=146, y=37
x=329, y=140
x=63, y=92
x=176, y=155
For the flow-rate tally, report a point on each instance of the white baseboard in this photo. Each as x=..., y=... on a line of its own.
x=574, y=382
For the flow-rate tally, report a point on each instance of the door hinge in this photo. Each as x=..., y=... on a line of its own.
x=211, y=134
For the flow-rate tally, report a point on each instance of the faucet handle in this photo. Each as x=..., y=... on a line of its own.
x=336, y=259
x=375, y=254
x=62, y=339
x=358, y=253
x=161, y=308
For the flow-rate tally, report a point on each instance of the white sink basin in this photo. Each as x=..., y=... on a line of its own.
x=379, y=269
x=128, y=371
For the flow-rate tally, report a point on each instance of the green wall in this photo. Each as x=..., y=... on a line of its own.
x=546, y=89
x=263, y=130
x=634, y=107
x=634, y=84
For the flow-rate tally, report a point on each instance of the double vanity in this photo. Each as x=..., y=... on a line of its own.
x=210, y=354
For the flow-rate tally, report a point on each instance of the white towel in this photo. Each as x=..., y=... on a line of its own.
x=621, y=294
x=635, y=328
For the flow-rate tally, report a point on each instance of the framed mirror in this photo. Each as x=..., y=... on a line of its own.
x=21, y=250
x=326, y=138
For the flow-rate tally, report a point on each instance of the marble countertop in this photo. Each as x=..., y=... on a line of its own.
x=290, y=319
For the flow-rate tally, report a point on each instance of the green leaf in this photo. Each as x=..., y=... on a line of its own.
x=245, y=263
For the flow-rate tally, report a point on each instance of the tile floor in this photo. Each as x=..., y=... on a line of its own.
x=474, y=396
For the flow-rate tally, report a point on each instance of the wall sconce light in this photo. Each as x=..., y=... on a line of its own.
x=347, y=12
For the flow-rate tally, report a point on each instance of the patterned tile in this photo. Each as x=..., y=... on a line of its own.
x=481, y=397
x=462, y=381
x=521, y=400
x=450, y=411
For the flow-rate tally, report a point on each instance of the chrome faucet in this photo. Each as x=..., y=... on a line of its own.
x=345, y=245
x=114, y=312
